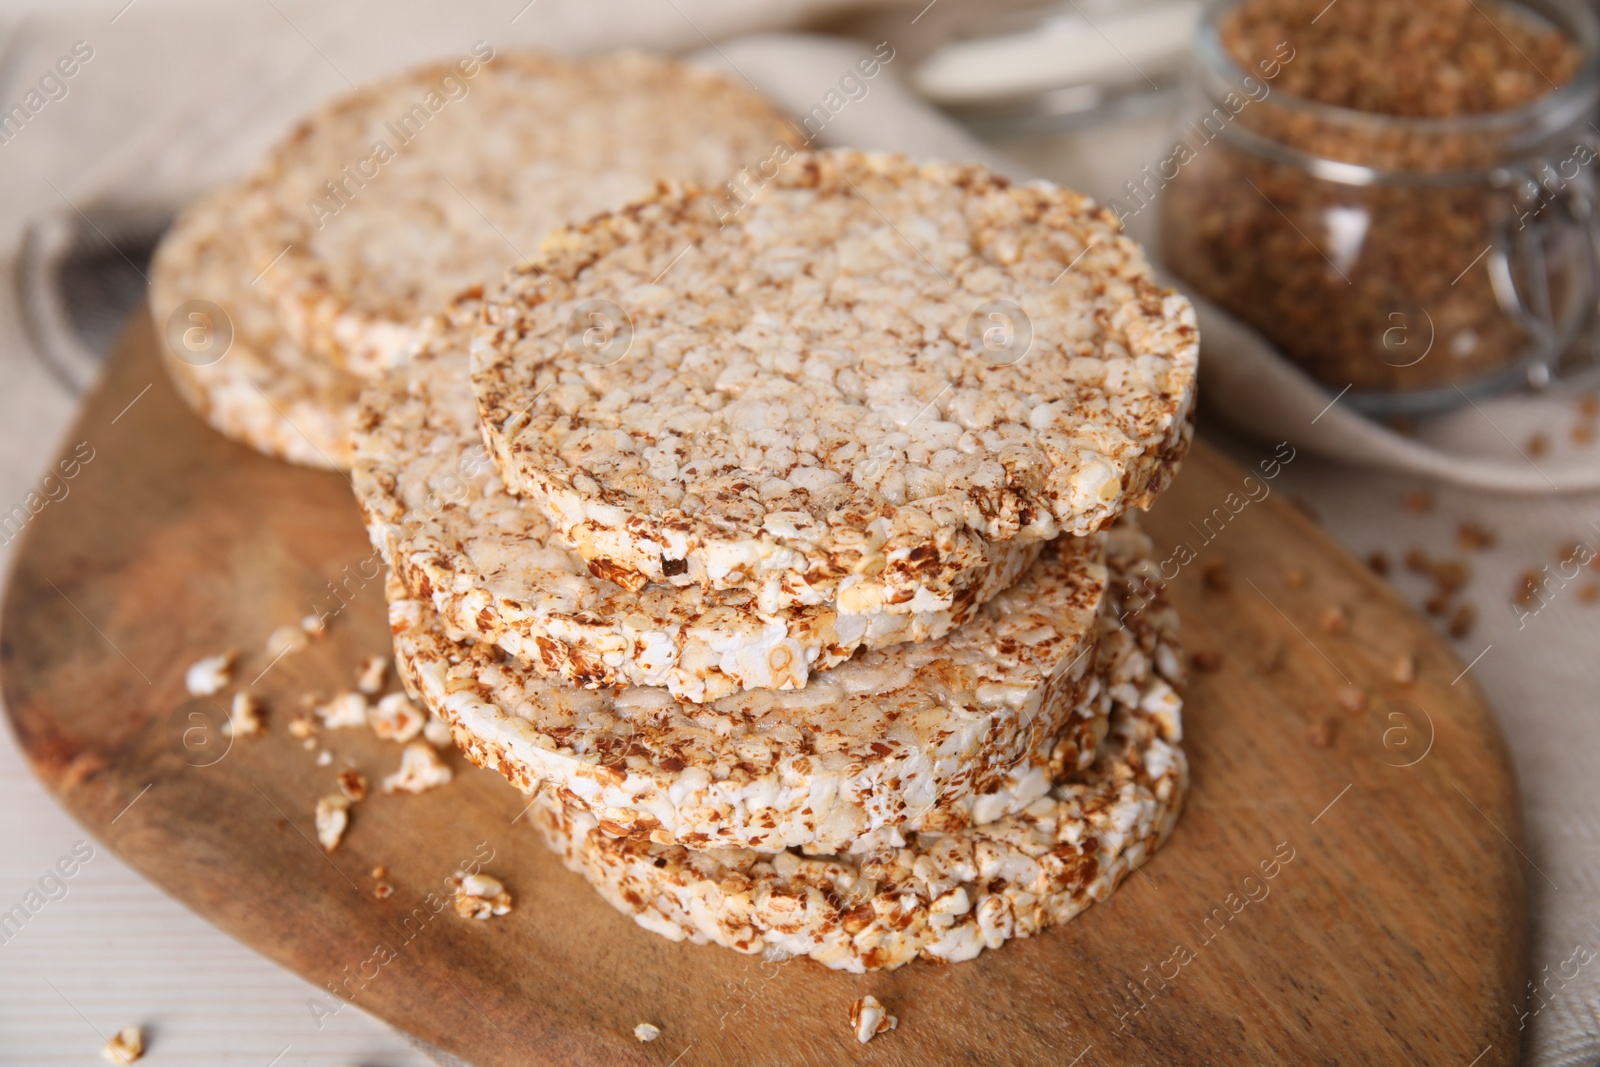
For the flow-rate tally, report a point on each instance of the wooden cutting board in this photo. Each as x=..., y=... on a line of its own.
x=1391, y=931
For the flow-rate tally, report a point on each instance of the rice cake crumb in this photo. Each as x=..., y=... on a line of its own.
x=209, y=676
x=395, y=718
x=369, y=679
x=869, y=1019
x=646, y=1032
x=286, y=640
x=420, y=770
x=324, y=758
x=301, y=728
x=343, y=711
x=244, y=716
x=125, y=1046
x=333, y=816
x=480, y=896
x=314, y=625
x=353, y=784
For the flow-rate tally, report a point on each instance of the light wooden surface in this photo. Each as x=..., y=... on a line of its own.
x=1395, y=934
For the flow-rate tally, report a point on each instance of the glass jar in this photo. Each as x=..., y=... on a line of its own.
x=1411, y=262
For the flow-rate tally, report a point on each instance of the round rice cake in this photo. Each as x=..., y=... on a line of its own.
x=895, y=738
x=489, y=566
x=389, y=200
x=844, y=388
x=943, y=896
x=225, y=351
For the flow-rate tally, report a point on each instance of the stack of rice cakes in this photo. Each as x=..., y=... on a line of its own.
x=815, y=626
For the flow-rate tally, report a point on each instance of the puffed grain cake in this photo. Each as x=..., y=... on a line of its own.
x=485, y=560
x=391, y=199
x=900, y=737
x=942, y=896
x=263, y=391
x=798, y=394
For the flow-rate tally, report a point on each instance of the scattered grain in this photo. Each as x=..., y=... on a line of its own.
x=1418, y=502
x=420, y=770
x=480, y=896
x=343, y=711
x=333, y=816
x=209, y=676
x=869, y=1019
x=125, y=1046
x=395, y=718
x=244, y=716
x=369, y=679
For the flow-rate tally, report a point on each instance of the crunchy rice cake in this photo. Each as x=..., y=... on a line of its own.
x=943, y=896
x=393, y=198
x=485, y=559
x=812, y=394
x=893, y=738
x=263, y=392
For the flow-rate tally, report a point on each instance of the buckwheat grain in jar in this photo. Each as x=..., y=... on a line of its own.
x=1398, y=196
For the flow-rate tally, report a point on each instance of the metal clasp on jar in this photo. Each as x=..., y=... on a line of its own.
x=1548, y=208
